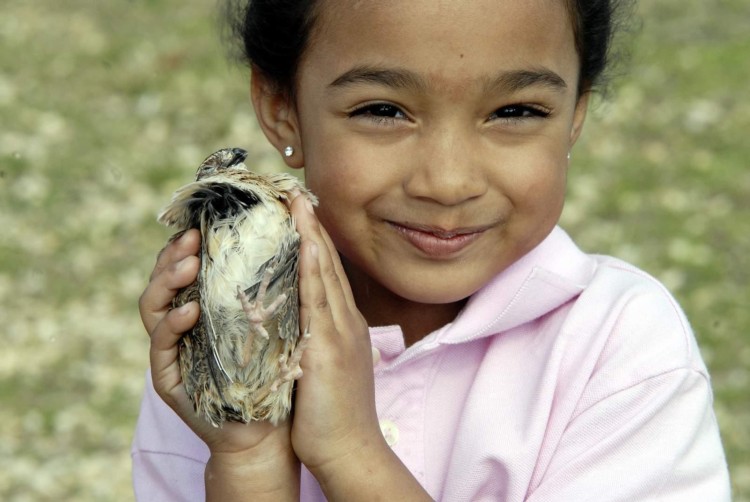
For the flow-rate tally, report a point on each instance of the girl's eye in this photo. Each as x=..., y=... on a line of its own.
x=379, y=112
x=518, y=112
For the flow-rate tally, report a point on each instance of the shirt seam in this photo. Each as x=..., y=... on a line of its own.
x=686, y=369
x=628, y=299
x=685, y=327
x=488, y=327
x=139, y=451
x=542, y=274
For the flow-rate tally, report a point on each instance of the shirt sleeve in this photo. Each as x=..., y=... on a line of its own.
x=644, y=428
x=657, y=440
x=168, y=459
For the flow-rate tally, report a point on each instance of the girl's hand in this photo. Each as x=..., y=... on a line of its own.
x=334, y=411
x=249, y=459
x=335, y=431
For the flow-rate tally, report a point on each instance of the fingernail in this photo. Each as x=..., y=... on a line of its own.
x=183, y=310
x=309, y=206
x=313, y=250
x=183, y=237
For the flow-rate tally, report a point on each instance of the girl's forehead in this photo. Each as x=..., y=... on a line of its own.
x=387, y=15
x=434, y=37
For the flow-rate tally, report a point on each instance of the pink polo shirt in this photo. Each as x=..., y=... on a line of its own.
x=568, y=377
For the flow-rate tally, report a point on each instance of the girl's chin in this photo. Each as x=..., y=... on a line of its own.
x=433, y=294
x=410, y=284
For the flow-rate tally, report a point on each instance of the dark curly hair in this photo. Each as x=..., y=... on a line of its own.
x=272, y=35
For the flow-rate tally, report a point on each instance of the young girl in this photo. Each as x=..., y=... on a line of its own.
x=501, y=362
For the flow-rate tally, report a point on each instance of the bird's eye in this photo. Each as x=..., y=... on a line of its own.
x=238, y=156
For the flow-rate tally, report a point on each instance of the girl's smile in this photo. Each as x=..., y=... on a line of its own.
x=436, y=242
x=436, y=138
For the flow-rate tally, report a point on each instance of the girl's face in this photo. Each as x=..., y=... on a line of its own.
x=436, y=135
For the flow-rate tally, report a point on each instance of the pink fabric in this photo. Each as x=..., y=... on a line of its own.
x=568, y=377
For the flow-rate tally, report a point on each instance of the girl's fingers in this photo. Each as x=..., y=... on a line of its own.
x=313, y=299
x=157, y=298
x=329, y=268
x=169, y=331
x=181, y=245
x=174, y=269
x=339, y=268
x=163, y=354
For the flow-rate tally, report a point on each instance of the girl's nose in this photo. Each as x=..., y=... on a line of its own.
x=445, y=169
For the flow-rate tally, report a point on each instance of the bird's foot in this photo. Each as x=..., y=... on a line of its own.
x=289, y=367
x=256, y=313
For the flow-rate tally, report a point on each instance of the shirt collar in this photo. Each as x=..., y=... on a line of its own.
x=547, y=277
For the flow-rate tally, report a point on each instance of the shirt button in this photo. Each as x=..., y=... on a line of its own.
x=375, y=356
x=390, y=432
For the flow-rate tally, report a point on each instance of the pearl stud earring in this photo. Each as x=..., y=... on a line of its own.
x=288, y=151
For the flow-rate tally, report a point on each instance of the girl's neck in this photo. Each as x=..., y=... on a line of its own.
x=381, y=307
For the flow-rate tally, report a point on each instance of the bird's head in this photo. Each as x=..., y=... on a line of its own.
x=220, y=160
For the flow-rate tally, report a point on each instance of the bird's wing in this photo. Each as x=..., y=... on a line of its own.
x=218, y=372
x=284, y=280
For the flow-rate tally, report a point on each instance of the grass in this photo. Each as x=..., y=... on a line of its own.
x=106, y=108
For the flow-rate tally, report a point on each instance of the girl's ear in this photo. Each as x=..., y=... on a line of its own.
x=579, y=117
x=277, y=117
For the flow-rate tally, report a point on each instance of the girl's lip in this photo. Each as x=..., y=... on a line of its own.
x=438, y=242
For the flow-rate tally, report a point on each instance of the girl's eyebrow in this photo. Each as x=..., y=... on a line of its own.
x=507, y=81
x=516, y=80
x=388, y=77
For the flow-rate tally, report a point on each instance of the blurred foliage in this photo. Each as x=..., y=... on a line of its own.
x=106, y=107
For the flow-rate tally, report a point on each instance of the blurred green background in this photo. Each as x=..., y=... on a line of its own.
x=106, y=107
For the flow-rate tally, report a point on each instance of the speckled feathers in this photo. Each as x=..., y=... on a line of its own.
x=240, y=360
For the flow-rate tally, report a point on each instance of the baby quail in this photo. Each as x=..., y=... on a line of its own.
x=240, y=360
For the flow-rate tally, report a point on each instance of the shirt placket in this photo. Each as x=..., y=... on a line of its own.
x=400, y=395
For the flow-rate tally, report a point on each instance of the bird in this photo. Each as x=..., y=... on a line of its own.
x=240, y=361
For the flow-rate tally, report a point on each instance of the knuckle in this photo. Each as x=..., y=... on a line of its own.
x=161, y=258
x=142, y=307
x=314, y=302
x=160, y=254
x=321, y=303
x=330, y=273
x=144, y=302
x=155, y=272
